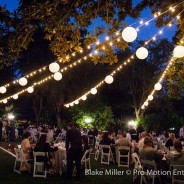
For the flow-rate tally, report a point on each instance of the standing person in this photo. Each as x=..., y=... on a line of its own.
x=12, y=131
x=1, y=128
x=74, y=150
x=181, y=133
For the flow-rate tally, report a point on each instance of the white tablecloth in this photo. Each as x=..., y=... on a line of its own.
x=60, y=157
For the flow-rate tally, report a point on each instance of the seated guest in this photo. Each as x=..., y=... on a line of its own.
x=119, y=135
x=141, y=142
x=43, y=146
x=99, y=137
x=123, y=141
x=147, y=152
x=112, y=136
x=176, y=157
x=84, y=144
x=106, y=139
x=25, y=145
x=170, y=142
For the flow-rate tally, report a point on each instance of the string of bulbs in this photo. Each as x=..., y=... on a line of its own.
x=58, y=75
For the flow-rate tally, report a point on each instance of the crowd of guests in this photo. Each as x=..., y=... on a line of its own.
x=149, y=146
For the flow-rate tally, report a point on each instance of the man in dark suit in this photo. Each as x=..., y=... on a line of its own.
x=74, y=150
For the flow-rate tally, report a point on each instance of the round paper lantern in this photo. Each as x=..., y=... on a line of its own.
x=93, y=91
x=57, y=76
x=178, y=52
x=2, y=89
x=30, y=89
x=142, y=107
x=23, y=81
x=54, y=67
x=71, y=104
x=150, y=97
x=146, y=103
x=5, y=101
x=109, y=79
x=15, y=96
x=76, y=102
x=67, y=105
x=129, y=34
x=84, y=97
x=158, y=86
x=142, y=53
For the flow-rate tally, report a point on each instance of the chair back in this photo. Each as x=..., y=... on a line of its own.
x=86, y=155
x=105, y=149
x=150, y=164
x=137, y=161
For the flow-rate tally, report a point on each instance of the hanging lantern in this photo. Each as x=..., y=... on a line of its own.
x=57, y=76
x=142, y=53
x=109, y=79
x=178, y=52
x=2, y=89
x=23, y=81
x=54, y=67
x=30, y=89
x=146, y=103
x=150, y=97
x=5, y=101
x=142, y=107
x=93, y=91
x=84, y=97
x=72, y=104
x=129, y=34
x=67, y=105
x=76, y=102
x=158, y=86
x=15, y=96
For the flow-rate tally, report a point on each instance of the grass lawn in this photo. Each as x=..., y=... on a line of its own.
x=7, y=176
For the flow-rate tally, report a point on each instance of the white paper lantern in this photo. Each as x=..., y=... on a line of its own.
x=158, y=86
x=5, y=101
x=142, y=107
x=93, y=91
x=23, y=81
x=2, y=89
x=129, y=34
x=146, y=103
x=84, y=97
x=57, y=76
x=15, y=96
x=109, y=79
x=142, y=53
x=67, y=105
x=150, y=97
x=72, y=104
x=54, y=67
x=76, y=102
x=178, y=52
x=30, y=89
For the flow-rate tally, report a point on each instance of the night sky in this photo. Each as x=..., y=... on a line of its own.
x=146, y=32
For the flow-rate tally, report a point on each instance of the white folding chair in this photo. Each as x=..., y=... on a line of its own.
x=97, y=150
x=176, y=176
x=123, y=156
x=40, y=166
x=20, y=161
x=106, y=154
x=137, y=168
x=86, y=159
x=150, y=165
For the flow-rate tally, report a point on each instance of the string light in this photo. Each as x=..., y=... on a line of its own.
x=44, y=68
